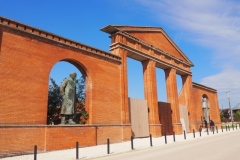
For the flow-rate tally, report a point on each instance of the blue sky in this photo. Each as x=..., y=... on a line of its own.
x=206, y=31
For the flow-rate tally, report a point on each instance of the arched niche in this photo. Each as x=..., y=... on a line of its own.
x=59, y=72
x=205, y=108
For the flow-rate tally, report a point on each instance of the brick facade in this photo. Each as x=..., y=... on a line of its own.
x=27, y=56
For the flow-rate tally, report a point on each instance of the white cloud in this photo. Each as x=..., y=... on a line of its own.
x=227, y=80
x=224, y=81
x=212, y=24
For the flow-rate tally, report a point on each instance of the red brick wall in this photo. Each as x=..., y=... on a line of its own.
x=62, y=137
x=127, y=133
x=103, y=134
x=21, y=139
x=24, y=86
x=212, y=100
x=16, y=140
x=0, y=40
x=26, y=63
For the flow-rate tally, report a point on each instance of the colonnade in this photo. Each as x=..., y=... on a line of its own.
x=150, y=94
x=125, y=45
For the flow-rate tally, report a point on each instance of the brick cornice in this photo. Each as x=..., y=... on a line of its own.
x=136, y=51
x=58, y=39
x=203, y=87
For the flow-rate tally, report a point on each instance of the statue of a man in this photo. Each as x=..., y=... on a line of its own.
x=68, y=93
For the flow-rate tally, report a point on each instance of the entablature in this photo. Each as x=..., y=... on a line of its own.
x=141, y=51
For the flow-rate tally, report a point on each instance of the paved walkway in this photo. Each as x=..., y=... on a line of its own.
x=101, y=150
x=219, y=147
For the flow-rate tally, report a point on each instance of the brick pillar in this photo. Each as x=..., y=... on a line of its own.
x=124, y=77
x=124, y=87
x=124, y=84
x=172, y=97
x=187, y=88
x=150, y=93
x=217, y=118
x=126, y=130
x=125, y=110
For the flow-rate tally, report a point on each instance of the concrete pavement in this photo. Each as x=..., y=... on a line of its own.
x=214, y=147
x=182, y=148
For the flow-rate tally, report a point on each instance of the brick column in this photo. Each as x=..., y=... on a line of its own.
x=172, y=97
x=150, y=93
x=125, y=110
x=124, y=87
x=124, y=77
x=187, y=88
x=124, y=84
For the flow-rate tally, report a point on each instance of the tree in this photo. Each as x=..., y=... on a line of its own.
x=80, y=89
x=222, y=115
x=237, y=114
x=225, y=114
x=81, y=115
x=54, y=102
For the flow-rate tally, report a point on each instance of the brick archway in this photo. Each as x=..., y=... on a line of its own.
x=205, y=108
x=81, y=73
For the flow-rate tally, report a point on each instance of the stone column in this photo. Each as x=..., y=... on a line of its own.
x=187, y=88
x=172, y=97
x=150, y=94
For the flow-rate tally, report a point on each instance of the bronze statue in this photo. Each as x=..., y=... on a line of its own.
x=68, y=93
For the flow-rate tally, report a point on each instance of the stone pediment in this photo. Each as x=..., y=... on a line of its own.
x=154, y=36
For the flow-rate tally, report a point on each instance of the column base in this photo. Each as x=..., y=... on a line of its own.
x=126, y=133
x=195, y=126
x=177, y=128
x=155, y=130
